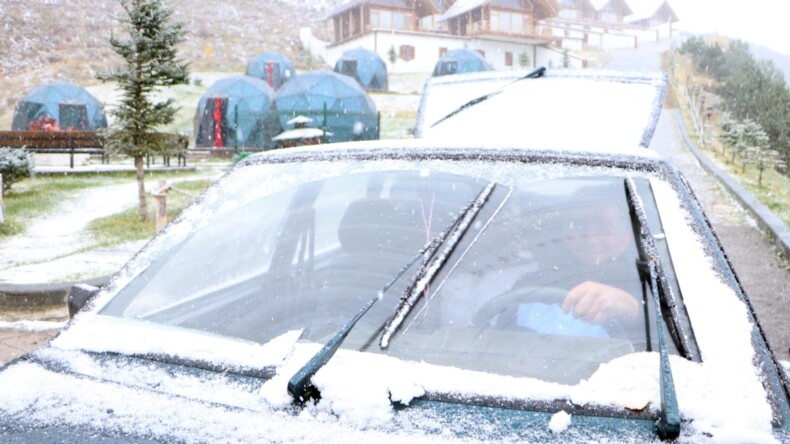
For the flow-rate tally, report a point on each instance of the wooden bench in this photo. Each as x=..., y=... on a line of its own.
x=56, y=142
x=85, y=142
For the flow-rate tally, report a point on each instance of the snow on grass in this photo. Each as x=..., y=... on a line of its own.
x=31, y=326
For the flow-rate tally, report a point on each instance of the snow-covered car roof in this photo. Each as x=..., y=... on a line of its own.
x=121, y=371
x=569, y=109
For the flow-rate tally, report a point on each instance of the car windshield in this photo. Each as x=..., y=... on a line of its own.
x=544, y=282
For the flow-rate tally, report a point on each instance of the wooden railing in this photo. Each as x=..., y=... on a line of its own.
x=83, y=142
x=55, y=142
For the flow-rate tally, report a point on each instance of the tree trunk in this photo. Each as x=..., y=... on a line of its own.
x=760, y=177
x=142, y=206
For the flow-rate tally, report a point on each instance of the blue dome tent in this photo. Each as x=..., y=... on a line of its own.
x=334, y=101
x=459, y=61
x=366, y=66
x=236, y=111
x=62, y=106
x=272, y=67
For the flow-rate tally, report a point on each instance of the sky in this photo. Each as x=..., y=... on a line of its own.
x=761, y=22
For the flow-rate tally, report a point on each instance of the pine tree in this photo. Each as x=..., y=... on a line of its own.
x=757, y=148
x=393, y=56
x=523, y=59
x=149, y=53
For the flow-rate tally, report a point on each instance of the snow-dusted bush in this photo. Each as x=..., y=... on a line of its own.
x=15, y=165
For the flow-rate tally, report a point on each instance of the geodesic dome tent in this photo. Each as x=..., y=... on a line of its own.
x=236, y=111
x=459, y=61
x=271, y=67
x=366, y=66
x=59, y=106
x=335, y=102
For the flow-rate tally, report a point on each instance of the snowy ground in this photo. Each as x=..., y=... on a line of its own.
x=56, y=248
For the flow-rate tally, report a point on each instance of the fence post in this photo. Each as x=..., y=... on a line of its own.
x=2, y=209
x=160, y=196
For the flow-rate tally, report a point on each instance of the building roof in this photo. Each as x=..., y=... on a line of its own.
x=646, y=9
x=619, y=6
x=463, y=6
x=583, y=5
x=345, y=5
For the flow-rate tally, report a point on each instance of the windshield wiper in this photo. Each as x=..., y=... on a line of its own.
x=650, y=269
x=299, y=386
x=425, y=274
x=531, y=75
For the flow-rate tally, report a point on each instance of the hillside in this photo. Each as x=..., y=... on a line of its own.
x=46, y=40
x=782, y=61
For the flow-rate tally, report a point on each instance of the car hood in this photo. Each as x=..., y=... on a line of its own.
x=78, y=396
x=585, y=109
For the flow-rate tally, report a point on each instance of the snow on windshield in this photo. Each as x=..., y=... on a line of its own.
x=582, y=113
x=721, y=396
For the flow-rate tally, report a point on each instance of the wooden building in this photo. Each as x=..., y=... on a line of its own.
x=614, y=12
x=503, y=18
x=576, y=10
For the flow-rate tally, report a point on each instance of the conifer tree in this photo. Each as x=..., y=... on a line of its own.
x=150, y=61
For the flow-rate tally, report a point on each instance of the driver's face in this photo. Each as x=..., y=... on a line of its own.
x=599, y=236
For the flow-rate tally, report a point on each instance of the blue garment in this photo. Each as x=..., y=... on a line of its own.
x=550, y=319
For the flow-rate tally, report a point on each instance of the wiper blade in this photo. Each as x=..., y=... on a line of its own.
x=531, y=75
x=427, y=271
x=668, y=424
x=299, y=386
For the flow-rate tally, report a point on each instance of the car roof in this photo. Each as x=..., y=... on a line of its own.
x=494, y=148
x=583, y=109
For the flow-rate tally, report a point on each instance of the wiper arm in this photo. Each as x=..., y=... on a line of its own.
x=427, y=271
x=668, y=424
x=531, y=75
x=299, y=386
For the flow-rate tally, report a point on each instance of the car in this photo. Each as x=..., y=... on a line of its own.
x=411, y=291
x=605, y=108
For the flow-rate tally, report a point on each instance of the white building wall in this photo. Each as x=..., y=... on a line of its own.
x=312, y=44
x=643, y=35
x=618, y=41
x=427, y=46
x=572, y=43
x=552, y=58
x=426, y=50
x=664, y=30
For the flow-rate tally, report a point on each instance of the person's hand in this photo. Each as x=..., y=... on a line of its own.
x=600, y=304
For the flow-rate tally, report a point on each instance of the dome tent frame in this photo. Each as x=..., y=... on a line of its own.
x=62, y=105
x=458, y=61
x=366, y=67
x=272, y=67
x=335, y=102
x=236, y=111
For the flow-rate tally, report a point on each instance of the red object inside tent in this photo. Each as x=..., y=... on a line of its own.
x=270, y=71
x=218, y=142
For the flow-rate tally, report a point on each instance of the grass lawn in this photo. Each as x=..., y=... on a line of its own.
x=38, y=197
x=126, y=226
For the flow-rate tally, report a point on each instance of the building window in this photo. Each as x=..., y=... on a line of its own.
x=508, y=58
x=399, y=20
x=511, y=23
x=407, y=52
